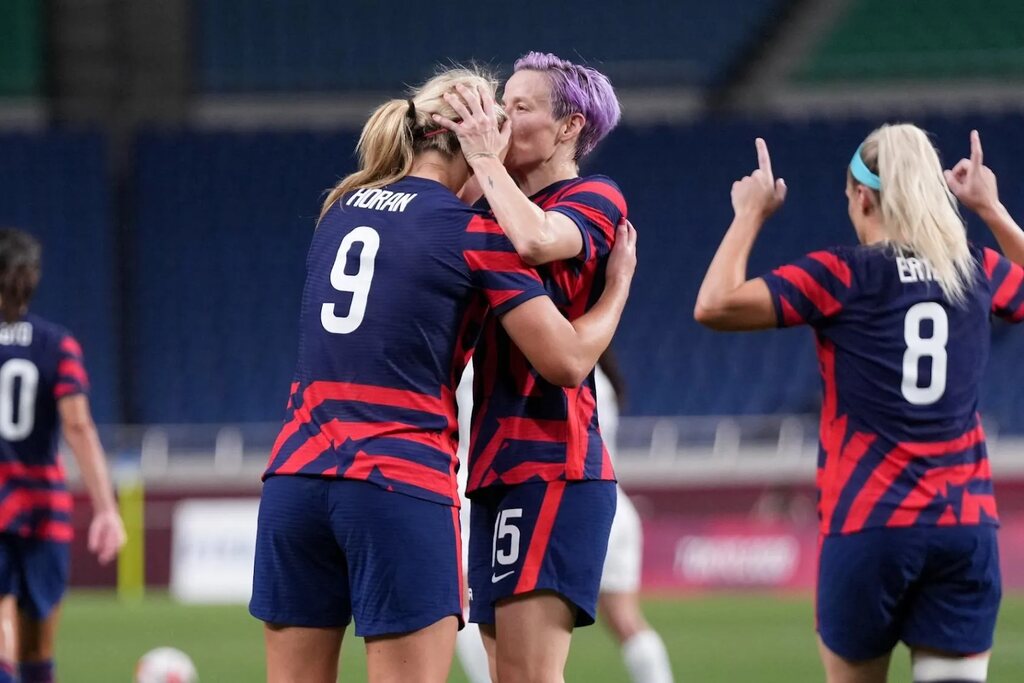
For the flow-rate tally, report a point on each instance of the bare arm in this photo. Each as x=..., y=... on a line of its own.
x=974, y=184
x=106, y=532
x=727, y=300
x=538, y=236
x=565, y=352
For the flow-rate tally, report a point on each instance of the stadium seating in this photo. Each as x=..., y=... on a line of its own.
x=21, y=47
x=322, y=45
x=922, y=40
x=223, y=222
x=56, y=186
x=222, y=226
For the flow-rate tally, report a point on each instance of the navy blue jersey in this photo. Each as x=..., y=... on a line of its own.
x=398, y=283
x=40, y=363
x=901, y=438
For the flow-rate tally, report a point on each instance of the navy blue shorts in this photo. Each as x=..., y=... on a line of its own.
x=930, y=587
x=328, y=550
x=540, y=536
x=35, y=571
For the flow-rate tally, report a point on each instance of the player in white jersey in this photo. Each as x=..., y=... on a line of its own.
x=469, y=646
x=618, y=603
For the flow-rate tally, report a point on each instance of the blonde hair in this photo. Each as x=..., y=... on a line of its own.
x=398, y=130
x=919, y=213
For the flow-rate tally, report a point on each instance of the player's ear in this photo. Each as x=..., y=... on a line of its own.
x=865, y=199
x=572, y=126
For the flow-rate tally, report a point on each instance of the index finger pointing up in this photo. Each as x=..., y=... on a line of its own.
x=977, y=157
x=764, y=161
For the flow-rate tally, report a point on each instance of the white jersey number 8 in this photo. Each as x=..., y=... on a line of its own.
x=358, y=284
x=27, y=373
x=918, y=347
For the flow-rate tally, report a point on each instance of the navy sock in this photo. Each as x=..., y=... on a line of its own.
x=37, y=672
x=7, y=673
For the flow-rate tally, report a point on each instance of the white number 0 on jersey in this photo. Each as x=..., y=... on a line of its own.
x=358, y=284
x=18, y=427
x=933, y=347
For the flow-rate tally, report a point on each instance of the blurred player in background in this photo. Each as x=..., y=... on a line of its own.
x=618, y=603
x=358, y=516
x=468, y=645
x=43, y=389
x=540, y=478
x=902, y=321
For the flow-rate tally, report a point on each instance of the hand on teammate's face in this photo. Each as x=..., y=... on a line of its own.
x=972, y=182
x=759, y=193
x=478, y=131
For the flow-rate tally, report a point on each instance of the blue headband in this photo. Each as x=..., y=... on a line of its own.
x=862, y=173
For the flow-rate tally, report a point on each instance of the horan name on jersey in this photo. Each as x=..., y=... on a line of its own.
x=380, y=200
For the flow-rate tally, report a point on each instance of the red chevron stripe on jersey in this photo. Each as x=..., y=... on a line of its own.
x=318, y=393
x=372, y=397
x=810, y=288
x=524, y=428
x=898, y=449
x=34, y=501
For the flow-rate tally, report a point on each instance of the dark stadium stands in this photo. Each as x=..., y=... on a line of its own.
x=222, y=227
x=323, y=45
x=223, y=221
x=55, y=185
x=930, y=40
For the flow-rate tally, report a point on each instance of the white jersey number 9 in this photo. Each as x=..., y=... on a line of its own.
x=17, y=426
x=358, y=284
x=918, y=347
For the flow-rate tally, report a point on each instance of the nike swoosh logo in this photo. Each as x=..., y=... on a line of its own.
x=496, y=579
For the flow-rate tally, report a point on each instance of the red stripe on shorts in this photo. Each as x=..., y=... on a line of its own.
x=541, y=535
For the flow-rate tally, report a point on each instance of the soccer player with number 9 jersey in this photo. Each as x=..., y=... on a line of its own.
x=902, y=324
x=43, y=388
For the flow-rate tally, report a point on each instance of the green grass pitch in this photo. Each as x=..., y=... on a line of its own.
x=742, y=637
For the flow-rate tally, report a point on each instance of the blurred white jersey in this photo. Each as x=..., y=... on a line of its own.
x=464, y=400
x=625, y=542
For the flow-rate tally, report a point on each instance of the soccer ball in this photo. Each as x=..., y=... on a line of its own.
x=165, y=665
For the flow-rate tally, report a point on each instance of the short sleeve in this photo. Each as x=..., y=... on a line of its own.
x=496, y=269
x=596, y=206
x=71, y=376
x=811, y=290
x=1005, y=279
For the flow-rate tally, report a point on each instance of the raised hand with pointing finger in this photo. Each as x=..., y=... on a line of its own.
x=972, y=182
x=759, y=193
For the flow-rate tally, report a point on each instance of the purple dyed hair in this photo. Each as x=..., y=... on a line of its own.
x=577, y=89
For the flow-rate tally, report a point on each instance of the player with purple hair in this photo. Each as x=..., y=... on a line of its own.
x=541, y=481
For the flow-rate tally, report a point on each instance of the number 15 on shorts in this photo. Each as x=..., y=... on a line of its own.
x=505, y=546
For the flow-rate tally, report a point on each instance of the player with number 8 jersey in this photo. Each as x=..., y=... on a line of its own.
x=902, y=325
x=359, y=513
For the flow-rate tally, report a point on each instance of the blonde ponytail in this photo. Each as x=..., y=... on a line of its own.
x=385, y=151
x=398, y=130
x=919, y=213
